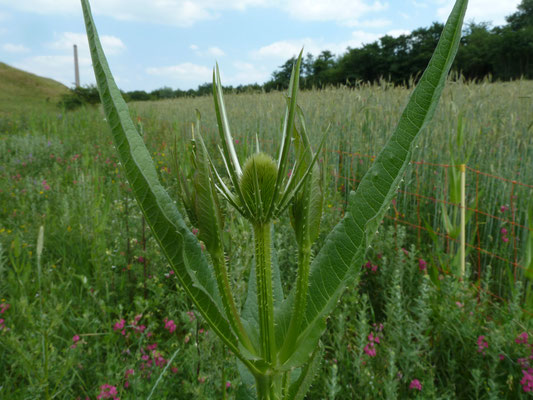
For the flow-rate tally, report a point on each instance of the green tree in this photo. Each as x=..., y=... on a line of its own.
x=523, y=18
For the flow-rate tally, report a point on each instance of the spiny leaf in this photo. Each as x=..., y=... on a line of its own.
x=299, y=388
x=342, y=254
x=179, y=245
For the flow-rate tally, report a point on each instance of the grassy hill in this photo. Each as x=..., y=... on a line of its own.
x=22, y=91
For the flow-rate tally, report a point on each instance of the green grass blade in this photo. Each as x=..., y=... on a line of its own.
x=180, y=246
x=340, y=258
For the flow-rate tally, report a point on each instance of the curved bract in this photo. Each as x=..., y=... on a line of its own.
x=276, y=338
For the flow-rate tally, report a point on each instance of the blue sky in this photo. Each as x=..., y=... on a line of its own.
x=155, y=43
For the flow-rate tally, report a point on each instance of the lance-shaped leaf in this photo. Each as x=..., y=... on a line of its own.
x=299, y=388
x=180, y=246
x=339, y=260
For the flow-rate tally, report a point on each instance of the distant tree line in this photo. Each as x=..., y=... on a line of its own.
x=500, y=53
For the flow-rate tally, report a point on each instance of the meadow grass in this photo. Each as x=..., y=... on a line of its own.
x=25, y=93
x=100, y=265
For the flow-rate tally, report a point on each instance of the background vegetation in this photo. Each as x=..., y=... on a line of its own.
x=101, y=315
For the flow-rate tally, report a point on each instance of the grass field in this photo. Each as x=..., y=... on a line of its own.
x=23, y=92
x=100, y=307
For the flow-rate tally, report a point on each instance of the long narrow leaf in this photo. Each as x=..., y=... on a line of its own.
x=180, y=246
x=337, y=263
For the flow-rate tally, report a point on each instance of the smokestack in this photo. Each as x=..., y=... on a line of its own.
x=76, y=67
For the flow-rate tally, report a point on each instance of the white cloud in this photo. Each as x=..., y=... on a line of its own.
x=15, y=48
x=173, y=12
x=185, y=75
x=215, y=51
x=419, y=4
x=246, y=73
x=346, y=12
x=212, y=51
x=111, y=44
x=493, y=11
x=398, y=32
x=374, y=23
x=58, y=67
x=284, y=49
x=358, y=39
x=187, y=12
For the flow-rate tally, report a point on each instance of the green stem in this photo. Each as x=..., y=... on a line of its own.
x=302, y=282
x=221, y=272
x=263, y=267
x=269, y=387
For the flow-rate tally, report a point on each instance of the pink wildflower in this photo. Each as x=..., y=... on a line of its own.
x=482, y=344
x=191, y=315
x=459, y=304
x=174, y=370
x=170, y=326
x=2, y=326
x=501, y=357
x=503, y=208
x=415, y=384
x=372, y=338
x=108, y=392
x=119, y=325
x=370, y=350
x=503, y=231
x=527, y=380
x=505, y=239
x=75, y=340
x=405, y=251
x=228, y=384
x=151, y=347
x=4, y=307
x=522, y=338
x=45, y=185
x=422, y=264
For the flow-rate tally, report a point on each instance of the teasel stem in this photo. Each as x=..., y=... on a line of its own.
x=302, y=282
x=263, y=265
x=221, y=271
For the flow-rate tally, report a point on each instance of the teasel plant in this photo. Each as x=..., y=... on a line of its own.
x=275, y=337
